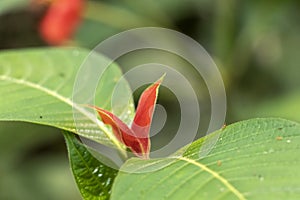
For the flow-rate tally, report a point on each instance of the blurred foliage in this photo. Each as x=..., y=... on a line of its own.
x=255, y=44
x=35, y=165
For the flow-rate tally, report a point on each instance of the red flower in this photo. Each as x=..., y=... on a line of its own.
x=137, y=137
x=61, y=20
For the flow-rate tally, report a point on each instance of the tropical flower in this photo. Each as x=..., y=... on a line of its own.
x=135, y=137
x=61, y=20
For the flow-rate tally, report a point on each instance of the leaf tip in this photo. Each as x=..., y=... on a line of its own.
x=160, y=80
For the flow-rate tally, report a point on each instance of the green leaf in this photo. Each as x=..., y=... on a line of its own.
x=37, y=86
x=254, y=159
x=93, y=178
x=7, y=5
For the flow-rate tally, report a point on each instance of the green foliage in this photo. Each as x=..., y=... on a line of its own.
x=7, y=5
x=286, y=106
x=249, y=160
x=256, y=46
x=93, y=178
x=32, y=164
x=37, y=87
x=254, y=159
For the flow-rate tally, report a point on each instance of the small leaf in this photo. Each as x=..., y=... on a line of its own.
x=93, y=178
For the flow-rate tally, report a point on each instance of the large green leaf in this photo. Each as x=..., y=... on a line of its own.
x=37, y=86
x=93, y=178
x=255, y=159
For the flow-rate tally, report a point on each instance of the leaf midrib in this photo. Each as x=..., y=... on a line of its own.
x=216, y=175
x=204, y=168
x=65, y=100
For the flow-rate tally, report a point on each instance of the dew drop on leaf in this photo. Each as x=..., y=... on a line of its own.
x=95, y=170
x=108, y=181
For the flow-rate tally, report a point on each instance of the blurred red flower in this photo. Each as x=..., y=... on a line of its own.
x=61, y=20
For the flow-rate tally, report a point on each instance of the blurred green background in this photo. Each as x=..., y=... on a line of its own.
x=256, y=45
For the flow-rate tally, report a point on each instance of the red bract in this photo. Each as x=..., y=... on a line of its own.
x=61, y=20
x=137, y=137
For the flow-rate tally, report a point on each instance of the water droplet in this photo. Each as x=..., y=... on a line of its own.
x=288, y=141
x=95, y=170
x=101, y=193
x=108, y=181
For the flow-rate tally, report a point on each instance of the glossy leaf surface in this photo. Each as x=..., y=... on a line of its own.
x=253, y=159
x=36, y=86
x=93, y=178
